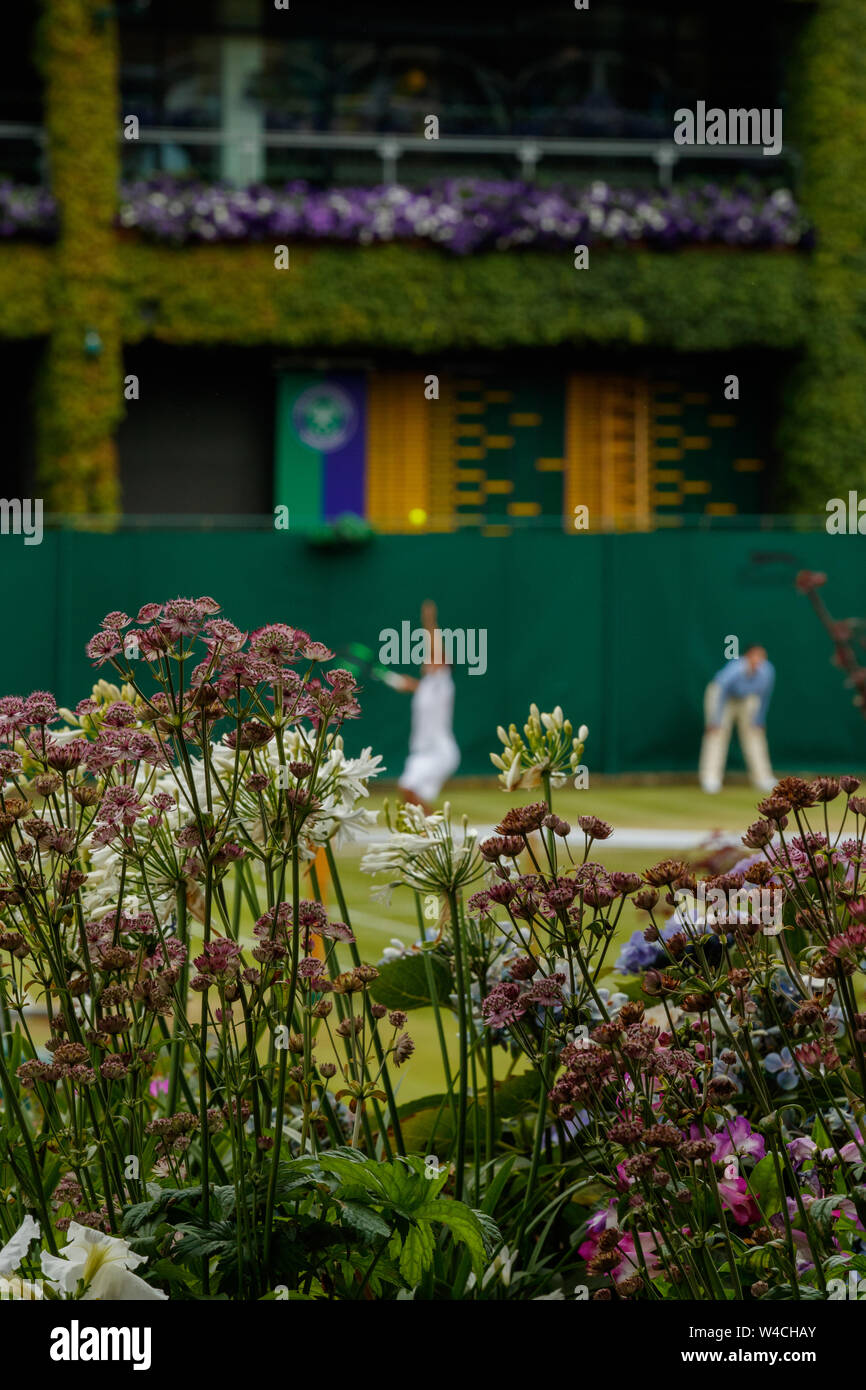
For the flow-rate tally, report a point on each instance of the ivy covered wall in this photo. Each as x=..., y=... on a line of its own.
x=418, y=299
x=79, y=398
x=823, y=429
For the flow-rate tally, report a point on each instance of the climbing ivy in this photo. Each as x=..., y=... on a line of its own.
x=79, y=399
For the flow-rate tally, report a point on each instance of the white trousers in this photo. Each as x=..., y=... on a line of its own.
x=753, y=741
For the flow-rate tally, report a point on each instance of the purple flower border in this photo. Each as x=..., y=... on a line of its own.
x=460, y=215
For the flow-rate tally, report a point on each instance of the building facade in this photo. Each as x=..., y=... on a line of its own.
x=169, y=347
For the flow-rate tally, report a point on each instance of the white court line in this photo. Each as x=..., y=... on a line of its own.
x=627, y=837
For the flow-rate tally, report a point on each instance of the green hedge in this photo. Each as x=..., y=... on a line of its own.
x=823, y=427
x=421, y=299
x=80, y=396
x=418, y=299
x=26, y=284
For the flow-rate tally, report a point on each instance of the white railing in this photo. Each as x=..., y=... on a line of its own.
x=527, y=152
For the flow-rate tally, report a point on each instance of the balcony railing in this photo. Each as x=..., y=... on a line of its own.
x=527, y=154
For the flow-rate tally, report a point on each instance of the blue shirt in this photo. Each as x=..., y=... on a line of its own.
x=736, y=680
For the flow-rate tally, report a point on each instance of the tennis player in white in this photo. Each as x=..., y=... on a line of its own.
x=433, y=752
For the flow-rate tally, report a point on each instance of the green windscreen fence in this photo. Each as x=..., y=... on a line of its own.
x=623, y=631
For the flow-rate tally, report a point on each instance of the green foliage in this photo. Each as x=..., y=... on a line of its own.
x=27, y=276
x=80, y=396
x=418, y=299
x=764, y=1185
x=824, y=410
x=335, y=1213
x=403, y=983
x=407, y=1194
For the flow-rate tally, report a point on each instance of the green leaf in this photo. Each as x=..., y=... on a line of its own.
x=497, y=1183
x=402, y=983
x=364, y=1176
x=363, y=1219
x=433, y=1129
x=433, y=1102
x=463, y=1224
x=824, y=1212
x=517, y=1095
x=417, y=1253
x=764, y=1185
x=165, y=1271
x=172, y=1205
x=490, y=1232
x=406, y=1189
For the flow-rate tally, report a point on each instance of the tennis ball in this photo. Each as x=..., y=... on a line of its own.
x=417, y=516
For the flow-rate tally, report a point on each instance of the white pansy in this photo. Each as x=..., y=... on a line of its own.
x=103, y=1263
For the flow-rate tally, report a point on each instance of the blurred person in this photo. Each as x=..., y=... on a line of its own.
x=740, y=692
x=433, y=752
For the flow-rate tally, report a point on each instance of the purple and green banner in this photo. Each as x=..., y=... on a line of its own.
x=320, y=445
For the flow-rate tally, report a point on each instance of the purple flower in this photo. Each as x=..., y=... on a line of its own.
x=503, y=1005
x=546, y=993
x=736, y=1139
x=461, y=215
x=637, y=955
x=802, y=1149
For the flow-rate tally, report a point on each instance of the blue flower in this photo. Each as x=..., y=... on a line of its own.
x=721, y=1068
x=637, y=955
x=611, y=1002
x=781, y=1065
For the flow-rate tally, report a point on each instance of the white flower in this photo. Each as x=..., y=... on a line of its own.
x=501, y=1265
x=342, y=825
x=425, y=856
x=513, y=775
x=103, y=1263
x=398, y=949
x=383, y=893
x=353, y=773
x=14, y=1250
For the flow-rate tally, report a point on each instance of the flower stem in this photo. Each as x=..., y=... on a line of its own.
x=462, y=1002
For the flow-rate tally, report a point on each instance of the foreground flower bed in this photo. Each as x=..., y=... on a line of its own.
x=214, y=1110
x=459, y=215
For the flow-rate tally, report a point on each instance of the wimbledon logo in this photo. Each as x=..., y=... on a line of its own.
x=325, y=417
